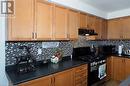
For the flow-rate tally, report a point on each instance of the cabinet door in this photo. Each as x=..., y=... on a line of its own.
x=91, y=22
x=114, y=29
x=81, y=75
x=104, y=29
x=43, y=20
x=126, y=27
x=45, y=81
x=61, y=24
x=118, y=68
x=83, y=20
x=21, y=26
x=127, y=67
x=98, y=28
x=64, y=78
x=109, y=68
x=73, y=25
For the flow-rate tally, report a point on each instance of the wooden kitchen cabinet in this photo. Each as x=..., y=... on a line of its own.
x=104, y=29
x=21, y=26
x=60, y=23
x=91, y=22
x=83, y=20
x=73, y=24
x=119, y=28
x=72, y=77
x=109, y=68
x=44, y=20
x=98, y=27
x=81, y=76
x=44, y=81
x=118, y=68
x=64, y=78
x=126, y=27
x=127, y=67
x=115, y=29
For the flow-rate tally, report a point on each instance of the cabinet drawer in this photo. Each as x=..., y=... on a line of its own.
x=84, y=72
x=81, y=68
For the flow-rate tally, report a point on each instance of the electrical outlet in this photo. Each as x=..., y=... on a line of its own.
x=39, y=51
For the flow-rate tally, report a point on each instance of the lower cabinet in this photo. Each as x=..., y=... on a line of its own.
x=127, y=67
x=72, y=77
x=118, y=68
x=80, y=76
x=64, y=78
x=44, y=81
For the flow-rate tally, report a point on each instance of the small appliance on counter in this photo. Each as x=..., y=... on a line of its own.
x=126, y=51
x=120, y=48
x=25, y=63
x=109, y=49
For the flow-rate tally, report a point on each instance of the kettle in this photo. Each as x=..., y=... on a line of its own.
x=120, y=47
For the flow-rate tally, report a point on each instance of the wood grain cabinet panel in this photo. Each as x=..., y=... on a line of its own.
x=109, y=68
x=118, y=69
x=22, y=25
x=73, y=24
x=104, y=29
x=83, y=20
x=98, y=27
x=45, y=81
x=115, y=29
x=43, y=20
x=91, y=22
x=60, y=23
x=72, y=77
x=126, y=27
x=81, y=75
x=127, y=67
x=64, y=78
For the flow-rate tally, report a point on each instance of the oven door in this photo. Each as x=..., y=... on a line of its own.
x=96, y=73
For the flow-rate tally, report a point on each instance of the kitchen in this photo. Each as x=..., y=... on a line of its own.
x=52, y=43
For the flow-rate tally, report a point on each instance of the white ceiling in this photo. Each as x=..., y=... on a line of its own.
x=108, y=5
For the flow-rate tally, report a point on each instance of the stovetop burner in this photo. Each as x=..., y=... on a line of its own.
x=90, y=58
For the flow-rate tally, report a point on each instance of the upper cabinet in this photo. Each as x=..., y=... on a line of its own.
x=83, y=20
x=119, y=28
x=73, y=22
x=43, y=23
x=42, y=20
x=114, y=29
x=91, y=22
x=126, y=27
x=21, y=26
x=60, y=23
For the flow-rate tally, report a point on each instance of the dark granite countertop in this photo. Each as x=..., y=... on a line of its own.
x=121, y=56
x=41, y=71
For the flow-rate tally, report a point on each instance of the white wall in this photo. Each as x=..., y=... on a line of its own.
x=3, y=79
x=120, y=13
x=77, y=4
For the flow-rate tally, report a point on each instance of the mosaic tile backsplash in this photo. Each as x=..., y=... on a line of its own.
x=13, y=51
x=47, y=50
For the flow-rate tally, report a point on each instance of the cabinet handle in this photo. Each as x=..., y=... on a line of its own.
x=32, y=35
x=35, y=35
x=54, y=79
